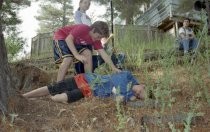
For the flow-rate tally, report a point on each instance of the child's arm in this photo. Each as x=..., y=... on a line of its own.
x=70, y=43
x=77, y=18
x=106, y=40
x=107, y=59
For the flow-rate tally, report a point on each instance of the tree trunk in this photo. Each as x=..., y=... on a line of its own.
x=64, y=14
x=129, y=13
x=5, y=78
x=129, y=19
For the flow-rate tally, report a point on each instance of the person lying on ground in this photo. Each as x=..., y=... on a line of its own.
x=122, y=84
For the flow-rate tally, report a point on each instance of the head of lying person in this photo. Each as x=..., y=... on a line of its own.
x=139, y=91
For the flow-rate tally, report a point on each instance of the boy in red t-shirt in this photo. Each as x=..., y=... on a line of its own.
x=74, y=43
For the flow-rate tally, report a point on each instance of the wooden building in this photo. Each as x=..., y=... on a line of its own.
x=41, y=46
x=165, y=15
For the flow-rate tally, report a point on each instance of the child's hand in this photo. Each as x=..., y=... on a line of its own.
x=116, y=69
x=111, y=35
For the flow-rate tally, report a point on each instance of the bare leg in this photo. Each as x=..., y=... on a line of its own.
x=62, y=98
x=64, y=68
x=43, y=91
x=88, y=66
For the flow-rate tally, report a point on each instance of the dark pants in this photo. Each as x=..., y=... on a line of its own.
x=67, y=86
x=117, y=59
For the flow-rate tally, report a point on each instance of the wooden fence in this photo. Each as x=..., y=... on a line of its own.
x=41, y=45
x=135, y=33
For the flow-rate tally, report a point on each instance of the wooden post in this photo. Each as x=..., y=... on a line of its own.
x=176, y=28
x=38, y=45
x=32, y=48
x=112, y=21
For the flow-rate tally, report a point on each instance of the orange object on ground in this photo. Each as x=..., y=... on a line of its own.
x=83, y=85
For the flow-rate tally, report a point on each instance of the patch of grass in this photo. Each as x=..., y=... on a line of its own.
x=163, y=79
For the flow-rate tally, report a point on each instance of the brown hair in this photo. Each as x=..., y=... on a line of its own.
x=186, y=19
x=101, y=28
x=79, y=4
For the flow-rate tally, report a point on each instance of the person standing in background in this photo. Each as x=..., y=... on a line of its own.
x=80, y=17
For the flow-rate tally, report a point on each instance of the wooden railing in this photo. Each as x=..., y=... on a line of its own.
x=135, y=34
x=163, y=9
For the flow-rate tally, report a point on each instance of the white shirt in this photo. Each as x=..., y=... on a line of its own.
x=186, y=31
x=81, y=18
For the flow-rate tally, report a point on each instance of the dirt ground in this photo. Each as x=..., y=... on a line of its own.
x=100, y=115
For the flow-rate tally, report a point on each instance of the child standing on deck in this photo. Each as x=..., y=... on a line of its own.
x=80, y=16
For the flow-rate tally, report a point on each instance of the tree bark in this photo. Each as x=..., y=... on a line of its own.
x=6, y=90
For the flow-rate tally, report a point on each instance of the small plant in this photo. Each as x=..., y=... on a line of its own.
x=206, y=94
x=3, y=118
x=172, y=127
x=13, y=116
x=121, y=117
x=194, y=105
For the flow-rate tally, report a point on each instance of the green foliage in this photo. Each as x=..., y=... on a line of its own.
x=127, y=10
x=120, y=114
x=169, y=78
x=172, y=127
x=14, y=43
x=3, y=118
x=9, y=10
x=194, y=106
x=54, y=14
x=9, y=20
x=185, y=6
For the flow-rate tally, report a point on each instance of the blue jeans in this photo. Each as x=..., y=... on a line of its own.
x=188, y=44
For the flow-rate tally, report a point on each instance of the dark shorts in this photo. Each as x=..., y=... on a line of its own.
x=67, y=86
x=61, y=50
